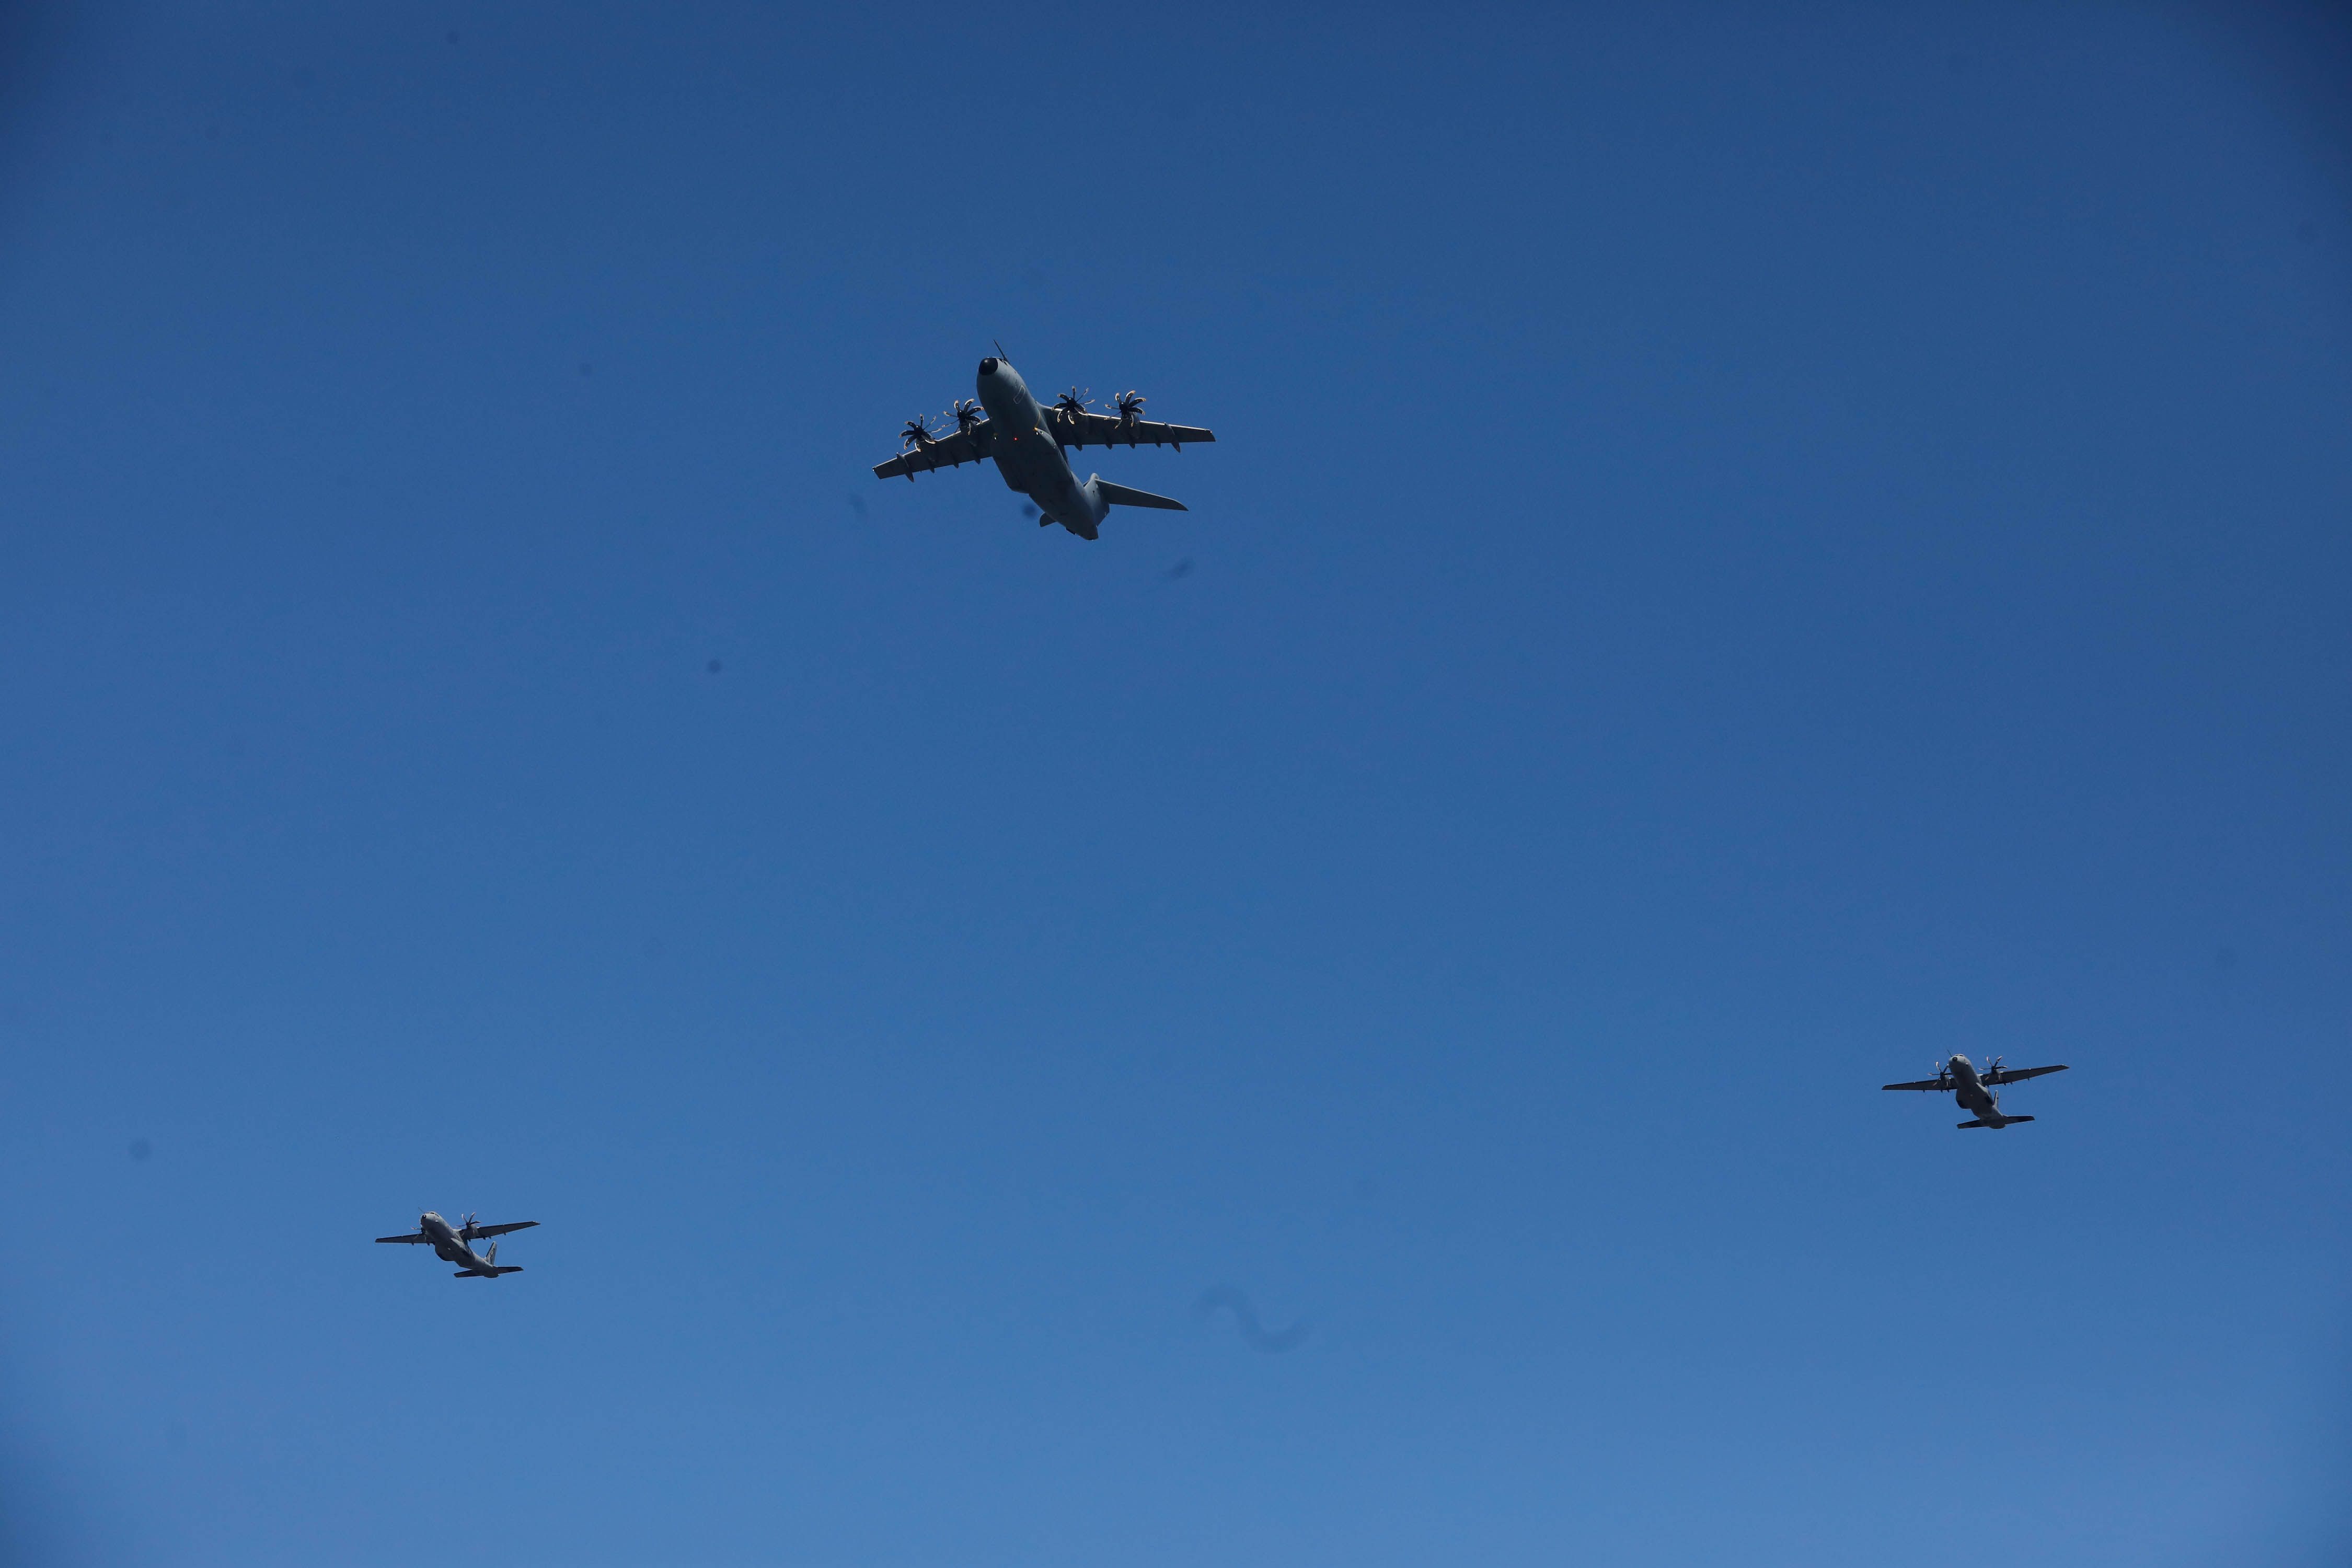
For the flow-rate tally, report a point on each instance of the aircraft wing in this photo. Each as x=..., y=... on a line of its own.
x=502, y=1229
x=1942, y=1083
x=418, y=1235
x=1104, y=430
x=947, y=452
x=2017, y=1075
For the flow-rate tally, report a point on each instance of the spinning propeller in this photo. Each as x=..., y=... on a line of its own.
x=917, y=435
x=1072, y=404
x=967, y=413
x=1130, y=406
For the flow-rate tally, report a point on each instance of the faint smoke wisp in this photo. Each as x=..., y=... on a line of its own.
x=1245, y=1320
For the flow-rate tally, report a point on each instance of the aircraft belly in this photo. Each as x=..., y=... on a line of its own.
x=1047, y=480
x=1025, y=464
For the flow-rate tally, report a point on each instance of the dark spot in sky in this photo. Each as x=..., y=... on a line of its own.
x=1027, y=509
x=714, y=666
x=1245, y=1320
x=656, y=947
x=141, y=1149
x=2227, y=958
x=587, y=369
x=1182, y=569
x=453, y=36
x=857, y=505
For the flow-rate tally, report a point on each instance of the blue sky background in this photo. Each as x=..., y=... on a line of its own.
x=1748, y=548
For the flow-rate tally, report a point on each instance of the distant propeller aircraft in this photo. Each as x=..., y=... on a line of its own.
x=455, y=1244
x=1974, y=1090
x=1028, y=442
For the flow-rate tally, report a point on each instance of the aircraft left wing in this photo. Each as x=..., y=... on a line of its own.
x=947, y=452
x=1105, y=430
x=2016, y=1075
x=418, y=1235
x=501, y=1229
x=1942, y=1083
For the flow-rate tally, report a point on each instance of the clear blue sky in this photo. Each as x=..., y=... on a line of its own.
x=1748, y=548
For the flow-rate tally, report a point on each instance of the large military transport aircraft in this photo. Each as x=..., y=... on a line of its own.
x=1974, y=1089
x=455, y=1244
x=1028, y=440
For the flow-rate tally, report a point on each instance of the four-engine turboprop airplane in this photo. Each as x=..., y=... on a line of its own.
x=1027, y=442
x=1974, y=1089
x=455, y=1244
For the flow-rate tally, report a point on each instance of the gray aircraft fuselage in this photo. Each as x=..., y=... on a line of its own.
x=451, y=1247
x=1973, y=1096
x=1030, y=461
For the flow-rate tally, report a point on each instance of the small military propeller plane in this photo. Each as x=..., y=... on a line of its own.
x=455, y=1244
x=1028, y=441
x=1974, y=1090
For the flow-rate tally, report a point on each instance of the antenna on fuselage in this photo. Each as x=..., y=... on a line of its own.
x=1000, y=350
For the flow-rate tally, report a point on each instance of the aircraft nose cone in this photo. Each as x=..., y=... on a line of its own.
x=988, y=366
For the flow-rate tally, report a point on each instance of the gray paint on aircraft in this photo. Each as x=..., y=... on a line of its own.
x=1029, y=441
x=1976, y=1092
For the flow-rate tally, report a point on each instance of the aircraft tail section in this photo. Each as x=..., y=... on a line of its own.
x=1996, y=1126
x=1120, y=495
x=489, y=1269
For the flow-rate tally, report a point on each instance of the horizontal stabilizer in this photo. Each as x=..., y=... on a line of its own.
x=1120, y=495
x=488, y=1273
x=1972, y=1124
x=1996, y=1126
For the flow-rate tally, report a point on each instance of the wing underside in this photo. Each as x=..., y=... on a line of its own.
x=1104, y=430
x=418, y=1235
x=1931, y=1083
x=2018, y=1075
x=502, y=1229
x=947, y=452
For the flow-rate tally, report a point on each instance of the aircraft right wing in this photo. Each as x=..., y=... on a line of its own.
x=419, y=1235
x=946, y=452
x=1942, y=1083
x=2018, y=1075
x=502, y=1229
x=1105, y=430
